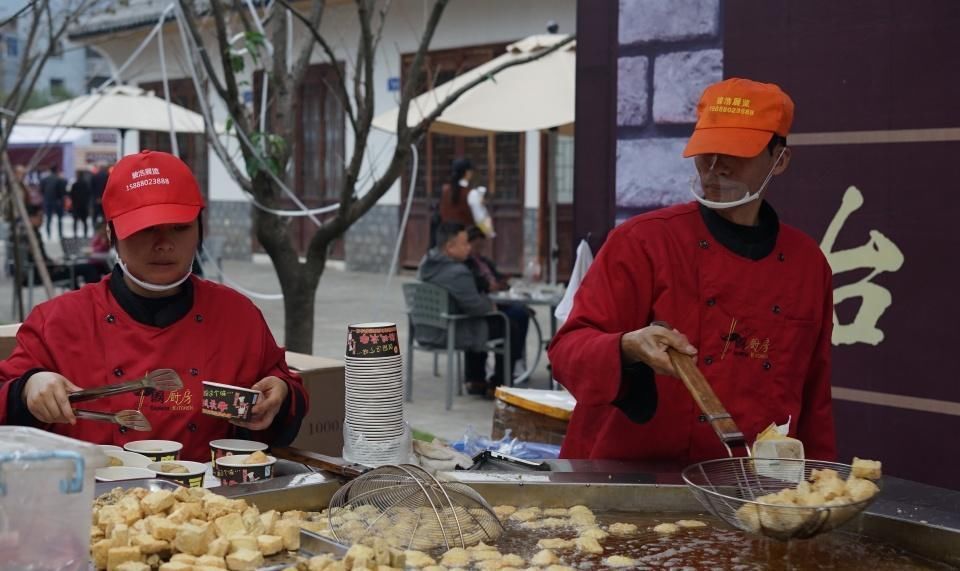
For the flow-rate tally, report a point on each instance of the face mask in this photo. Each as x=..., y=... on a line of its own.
x=730, y=188
x=149, y=286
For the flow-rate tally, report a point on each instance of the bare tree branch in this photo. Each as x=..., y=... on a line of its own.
x=413, y=71
x=341, y=83
x=300, y=68
x=383, y=20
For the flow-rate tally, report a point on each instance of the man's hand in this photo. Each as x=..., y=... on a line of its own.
x=46, y=397
x=649, y=345
x=274, y=392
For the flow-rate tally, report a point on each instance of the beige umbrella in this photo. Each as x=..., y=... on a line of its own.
x=529, y=97
x=120, y=107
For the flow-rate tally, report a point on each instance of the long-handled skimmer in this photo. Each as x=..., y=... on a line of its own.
x=159, y=379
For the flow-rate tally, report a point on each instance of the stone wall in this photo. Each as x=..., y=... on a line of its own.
x=670, y=50
x=530, y=228
x=371, y=240
x=233, y=221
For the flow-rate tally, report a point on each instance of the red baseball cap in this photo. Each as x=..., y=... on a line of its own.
x=150, y=188
x=738, y=116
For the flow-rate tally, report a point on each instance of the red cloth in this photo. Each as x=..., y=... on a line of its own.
x=773, y=362
x=87, y=337
x=455, y=210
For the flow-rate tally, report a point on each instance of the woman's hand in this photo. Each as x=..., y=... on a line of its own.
x=274, y=392
x=649, y=345
x=45, y=395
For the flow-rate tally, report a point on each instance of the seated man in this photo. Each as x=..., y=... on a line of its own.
x=489, y=279
x=444, y=266
x=58, y=272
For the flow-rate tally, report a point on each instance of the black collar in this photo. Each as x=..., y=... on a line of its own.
x=153, y=311
x=751, y=242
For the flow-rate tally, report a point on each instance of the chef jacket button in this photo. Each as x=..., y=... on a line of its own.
x=702, y=418
x=110, y=318
x=118, y=372
x=708, y=360
x=704, y=244
x=781, y=257
x=123, y=429
x=198, y=318
x=194, y=372
x=192, y=427
x=766, y=365
x=776, y=309
x=711, y=302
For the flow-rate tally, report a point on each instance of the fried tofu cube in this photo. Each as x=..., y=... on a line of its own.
x=270, y=544
x=193, y=539
x=251, y=520
x=244, y=560
x=120, y=535
x=99, y=552
x=544, y=557
x=162, y=528
x=359, y=557
x=289, y=530
x=868, y=469
x=186, y=512
x=184, y=558
x=588, y=545
x=831, y=488
x=118, y=555
x=217, y=506
x=110, y=515
x=175, y=566
x=320, y=562
x=294, y=514
x=749, y=517
x=148, y=544
x=268, y=519
x=243, y=542
x=860, y=489
x=133, y=566
x=130, y=509
x=208, y=568
x=219, y=547
x=229, y=525
x=157, y=502
x=211, y=561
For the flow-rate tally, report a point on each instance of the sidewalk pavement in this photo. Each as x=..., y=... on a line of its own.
x=353, y=297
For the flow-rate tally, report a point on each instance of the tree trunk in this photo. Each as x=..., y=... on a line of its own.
x=298, y=312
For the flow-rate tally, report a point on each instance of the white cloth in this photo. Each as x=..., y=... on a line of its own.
x=475, y=199
x=580, y=267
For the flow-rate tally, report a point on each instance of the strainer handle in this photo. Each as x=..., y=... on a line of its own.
x=723, y=424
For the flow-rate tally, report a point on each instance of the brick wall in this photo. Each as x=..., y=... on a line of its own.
x=232, y=220
x=670, y=50
x=371, y=240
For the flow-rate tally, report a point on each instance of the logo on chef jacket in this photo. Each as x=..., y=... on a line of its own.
x=146, y=177
x=175, y=401
x=744, y=344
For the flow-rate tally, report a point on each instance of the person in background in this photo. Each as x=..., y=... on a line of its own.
x=149, y=314
x=453, y=196
x=80, y=195
x=489, y=280
x=58, y=272
x=98, y=183
x=54, y=190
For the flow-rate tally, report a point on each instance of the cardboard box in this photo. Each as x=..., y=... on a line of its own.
x=322, y=429
x=8, y=339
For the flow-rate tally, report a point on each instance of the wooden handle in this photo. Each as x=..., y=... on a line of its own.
x=322, y=461
x=706, y=399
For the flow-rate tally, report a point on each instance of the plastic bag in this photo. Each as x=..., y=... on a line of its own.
x=473, y=443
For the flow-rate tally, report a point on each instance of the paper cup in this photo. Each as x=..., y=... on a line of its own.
x=232, y=446
x=155, y=450
x=233, y=470
x=193, y=478
x=228, y=401
x=129, y=459
x=372, y=340
x=119, y=473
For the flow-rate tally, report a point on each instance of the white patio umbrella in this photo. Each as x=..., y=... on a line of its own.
x=121, y=107
x=529, y=97
x=534, y=96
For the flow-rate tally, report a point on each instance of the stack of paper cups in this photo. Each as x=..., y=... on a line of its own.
x=374, y=432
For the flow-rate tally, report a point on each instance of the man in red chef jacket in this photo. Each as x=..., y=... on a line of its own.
x=150, y=313
x=748, y=296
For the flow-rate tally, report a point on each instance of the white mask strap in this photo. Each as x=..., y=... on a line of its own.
x=149, y=286
x=748, y=197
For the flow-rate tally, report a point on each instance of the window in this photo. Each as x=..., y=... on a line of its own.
x=58, y=50
x=12, y=45
x=56, y=84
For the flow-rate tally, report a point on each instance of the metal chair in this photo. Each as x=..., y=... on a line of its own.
x=429, y=305
x=73, y=249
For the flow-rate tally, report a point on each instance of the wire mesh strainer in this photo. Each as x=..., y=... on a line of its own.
x=730, y=487
x=411, y=510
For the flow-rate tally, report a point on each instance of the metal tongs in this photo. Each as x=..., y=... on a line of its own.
x=159, y=379
x=722, y=422
x=132, y=419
